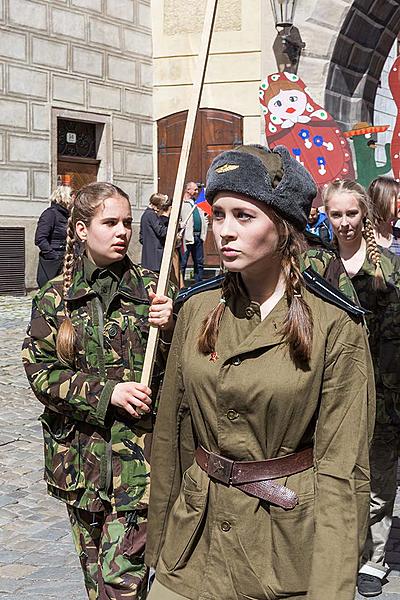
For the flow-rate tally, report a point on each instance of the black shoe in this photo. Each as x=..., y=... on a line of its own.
x=369, y=585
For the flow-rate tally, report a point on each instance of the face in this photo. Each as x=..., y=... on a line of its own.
x=245, y=234
x=192, y=189
x=346, y=215
x=313, y=216
x=109, y=233
x=288, y=104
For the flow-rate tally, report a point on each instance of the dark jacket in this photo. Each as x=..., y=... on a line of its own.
x=51, y=231
x=322, y=228
x=152, y=236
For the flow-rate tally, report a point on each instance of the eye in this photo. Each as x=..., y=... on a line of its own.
x=278, y=103
x=243, y=216
x=293, y=98
x=335, y=215
x=128, y=222
x=217, y=214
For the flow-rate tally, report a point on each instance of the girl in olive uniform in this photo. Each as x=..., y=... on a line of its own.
x=375, y=275
x=83, y=357
x=260, y=484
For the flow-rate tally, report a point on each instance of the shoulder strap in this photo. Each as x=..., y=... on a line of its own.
x=320, y=287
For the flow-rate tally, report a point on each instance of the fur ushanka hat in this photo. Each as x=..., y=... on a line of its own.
x=272, y=177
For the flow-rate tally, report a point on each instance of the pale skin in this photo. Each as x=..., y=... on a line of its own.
x=346, y=216
x=106, y=241
x=247, y=238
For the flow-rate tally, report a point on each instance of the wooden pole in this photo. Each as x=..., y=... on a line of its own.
x=169, y=247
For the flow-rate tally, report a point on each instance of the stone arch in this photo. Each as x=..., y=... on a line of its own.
x=362, y=46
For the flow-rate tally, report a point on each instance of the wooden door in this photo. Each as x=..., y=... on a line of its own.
x=215, y=131
x=81, y=171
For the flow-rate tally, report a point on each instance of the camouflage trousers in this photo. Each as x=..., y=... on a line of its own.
x=110, y=546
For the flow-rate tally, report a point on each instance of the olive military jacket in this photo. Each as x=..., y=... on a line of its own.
x=211, y=541
x=93, y=452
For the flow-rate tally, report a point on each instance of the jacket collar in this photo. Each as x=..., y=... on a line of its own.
x=266, y=333
x=131, y=285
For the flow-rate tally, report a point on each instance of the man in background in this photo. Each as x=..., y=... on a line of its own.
x=319, y=225
x=194, y=224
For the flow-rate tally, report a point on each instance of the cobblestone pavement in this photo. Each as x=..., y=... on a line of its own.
x=37, y=559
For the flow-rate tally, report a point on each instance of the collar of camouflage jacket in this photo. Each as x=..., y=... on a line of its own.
x=131, y=285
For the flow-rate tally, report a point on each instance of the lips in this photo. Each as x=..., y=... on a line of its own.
x=229, y=252
x=291, y=110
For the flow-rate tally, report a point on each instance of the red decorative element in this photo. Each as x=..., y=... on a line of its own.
x=214, y=357
x=366, y=129
x=295, y=120
x=394, y=85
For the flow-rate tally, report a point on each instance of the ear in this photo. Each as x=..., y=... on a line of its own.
x=81, y=230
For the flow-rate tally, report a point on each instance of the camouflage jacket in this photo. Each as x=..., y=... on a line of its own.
x=329, y=265
x=93, y=453
x=383, y=322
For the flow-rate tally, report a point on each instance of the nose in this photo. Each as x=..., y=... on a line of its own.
x=344, y=222
x=227, y=230
x=121, y=229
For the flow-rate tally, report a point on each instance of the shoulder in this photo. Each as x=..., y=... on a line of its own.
x=330, y=319
x=201, y=304
x=48, y=213
x=318, y=259
x=49, y=299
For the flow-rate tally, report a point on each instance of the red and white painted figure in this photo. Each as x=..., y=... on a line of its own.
x=295, y=120
x=394, y=85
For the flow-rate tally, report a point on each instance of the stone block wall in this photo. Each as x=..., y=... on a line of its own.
x=92, y=56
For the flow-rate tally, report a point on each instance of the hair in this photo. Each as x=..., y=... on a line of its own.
x=347, y=186
x=383, y=193
x=158, y=201
x=62, y=195
x=83, y=208
x=277, y=86
x=297, y=328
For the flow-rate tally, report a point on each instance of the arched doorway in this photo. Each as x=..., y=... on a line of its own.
x=362, y=46
x=215, y=131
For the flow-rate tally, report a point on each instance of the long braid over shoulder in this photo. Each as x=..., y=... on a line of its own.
x=83, y=208
x=373, y=253
x=348, y=186
x=65, y=343
x=298, y=326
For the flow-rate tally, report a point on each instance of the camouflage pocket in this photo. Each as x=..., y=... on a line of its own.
x=61, y=452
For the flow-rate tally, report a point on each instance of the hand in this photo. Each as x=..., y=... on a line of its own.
x=132, y=397
x=160, y=313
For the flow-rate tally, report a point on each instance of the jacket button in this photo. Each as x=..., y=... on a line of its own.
x=232, y=414
x=236, y=361
x=249, y=312
x=113, y=331
x=226, y=526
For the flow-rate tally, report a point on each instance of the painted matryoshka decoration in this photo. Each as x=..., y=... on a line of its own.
x=313, y=137
x=394, y=85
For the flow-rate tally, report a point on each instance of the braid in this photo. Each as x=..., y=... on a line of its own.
x=66, y=337
x=298, y=325
x=210, y=326
x=69, y=256
x=373, y=253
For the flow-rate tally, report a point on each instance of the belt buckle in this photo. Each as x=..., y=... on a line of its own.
x=220, y=468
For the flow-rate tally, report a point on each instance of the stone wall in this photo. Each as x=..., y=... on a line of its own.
x=91, y=56
x=234, y=66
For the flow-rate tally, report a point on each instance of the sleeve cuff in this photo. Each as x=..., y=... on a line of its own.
x=104, y=401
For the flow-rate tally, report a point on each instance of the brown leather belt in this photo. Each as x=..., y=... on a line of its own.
x=254, y=476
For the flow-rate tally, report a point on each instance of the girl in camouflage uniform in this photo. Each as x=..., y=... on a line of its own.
x=375, y=274
x=83, y=357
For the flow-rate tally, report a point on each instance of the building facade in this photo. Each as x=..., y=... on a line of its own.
x=75, y=98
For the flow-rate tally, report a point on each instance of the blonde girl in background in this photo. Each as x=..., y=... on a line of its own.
x=375, y=275
x=83, y=357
